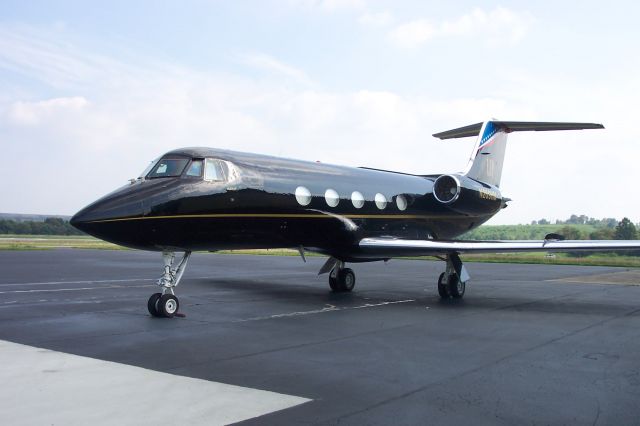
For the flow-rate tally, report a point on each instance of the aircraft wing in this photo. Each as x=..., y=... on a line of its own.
x=393, y=247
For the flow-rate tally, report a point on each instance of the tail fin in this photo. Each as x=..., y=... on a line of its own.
x=487, y=157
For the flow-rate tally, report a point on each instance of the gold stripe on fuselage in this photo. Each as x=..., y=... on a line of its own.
x=276, y=216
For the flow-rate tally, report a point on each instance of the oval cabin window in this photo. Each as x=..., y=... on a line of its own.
x=381, y=201
x=401, y=202
x=331, y=197
x=357, y=199
x=303, y=196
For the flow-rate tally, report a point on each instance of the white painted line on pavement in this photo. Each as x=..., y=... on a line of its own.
x=40, y=386
x=80, y=282
x=126, y=280
x=48, y=290
x=329, y=308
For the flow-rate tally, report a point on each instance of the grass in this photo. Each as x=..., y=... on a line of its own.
x=47, y=242
x=558, y=259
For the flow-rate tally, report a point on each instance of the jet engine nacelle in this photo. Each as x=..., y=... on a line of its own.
x=467, y=196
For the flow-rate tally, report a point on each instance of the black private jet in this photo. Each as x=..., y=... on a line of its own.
x=210, y=199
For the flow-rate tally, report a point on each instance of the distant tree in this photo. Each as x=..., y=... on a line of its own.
x=570, y=233
x=602, y=234
x=573, y=220
x=543, y=221
x=577, y=220
x=609, y=222
x=50, y=226
x=625, y=230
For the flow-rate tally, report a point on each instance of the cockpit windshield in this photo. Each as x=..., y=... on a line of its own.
x=207, y=169
x=195, y=168
x=147, y=169
x=168, y=167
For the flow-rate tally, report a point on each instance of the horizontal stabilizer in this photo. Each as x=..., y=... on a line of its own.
x=515, y=126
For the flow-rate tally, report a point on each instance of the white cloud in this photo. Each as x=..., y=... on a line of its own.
x=377, y=19
x=32, y=113
x=269, y=63
x=342, y=4
x=330, y=5
x=414, y=33
x=499, y=26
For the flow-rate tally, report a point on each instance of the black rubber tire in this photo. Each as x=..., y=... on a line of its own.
x=443, y=288
x=456, y=287
x=152, y=304
x=333, y=283
x=346, y=280
x=168, y=305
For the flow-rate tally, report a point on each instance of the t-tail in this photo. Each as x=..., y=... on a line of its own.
x=487, y=157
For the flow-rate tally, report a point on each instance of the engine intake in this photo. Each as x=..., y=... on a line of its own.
x=467, y=196
x=446, y=189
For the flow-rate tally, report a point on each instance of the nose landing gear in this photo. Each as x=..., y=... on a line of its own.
x=166, y=304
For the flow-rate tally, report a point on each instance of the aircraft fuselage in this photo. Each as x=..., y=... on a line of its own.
x=269, y=202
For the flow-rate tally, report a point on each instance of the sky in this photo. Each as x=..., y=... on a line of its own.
x=90, y=92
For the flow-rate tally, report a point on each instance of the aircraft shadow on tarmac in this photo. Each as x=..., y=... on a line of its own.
x=568, y=301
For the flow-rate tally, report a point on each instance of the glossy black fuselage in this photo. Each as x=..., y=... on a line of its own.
x=258, y=208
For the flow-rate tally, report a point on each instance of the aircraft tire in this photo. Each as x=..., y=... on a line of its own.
x=333, y=283
x=152, y=304
x=456, y=287
x=346, y=279
x=443, y=289
x=168, y=305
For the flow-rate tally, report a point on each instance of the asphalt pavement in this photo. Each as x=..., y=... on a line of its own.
x=264, y=341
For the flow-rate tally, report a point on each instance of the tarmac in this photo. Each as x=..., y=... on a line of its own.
x=264, y=341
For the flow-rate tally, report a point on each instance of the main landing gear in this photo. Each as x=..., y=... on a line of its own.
x=453, y=281
x=166, y=304
x=341, y=279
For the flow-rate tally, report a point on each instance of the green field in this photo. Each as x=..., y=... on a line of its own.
x=523, y=232
x=48, y=242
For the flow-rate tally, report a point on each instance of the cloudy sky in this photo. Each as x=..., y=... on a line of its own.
x=90, y=92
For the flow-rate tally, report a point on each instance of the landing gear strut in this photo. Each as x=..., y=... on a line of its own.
x=166, y=304
x=453, y=282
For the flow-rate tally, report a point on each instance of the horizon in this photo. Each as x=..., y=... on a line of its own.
x=551, y=221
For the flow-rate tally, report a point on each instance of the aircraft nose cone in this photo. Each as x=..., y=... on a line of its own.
x=106, y=217
x=79, y=220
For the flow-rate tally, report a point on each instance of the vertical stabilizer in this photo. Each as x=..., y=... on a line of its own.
x=487, y=157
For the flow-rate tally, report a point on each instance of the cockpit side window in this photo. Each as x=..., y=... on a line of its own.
x=215, y=170
x=168, y=167
x=195, y=168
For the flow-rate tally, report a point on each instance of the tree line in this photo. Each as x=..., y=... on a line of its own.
x=607, y=222
x=574, y=228
x=50, y=226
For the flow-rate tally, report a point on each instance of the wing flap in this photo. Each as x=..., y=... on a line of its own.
x=390, y=247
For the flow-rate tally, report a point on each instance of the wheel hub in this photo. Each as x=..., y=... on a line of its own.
x=170, y=306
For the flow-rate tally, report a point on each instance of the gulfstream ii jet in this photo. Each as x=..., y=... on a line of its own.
x=211, y=199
